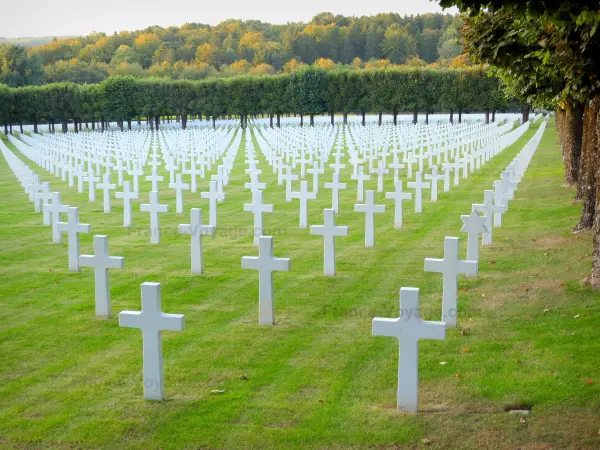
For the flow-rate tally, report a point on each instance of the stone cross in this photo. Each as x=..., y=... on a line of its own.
x=304, y=195
x=500, y=199
x=409, y=328
x=72, y=227
x=398, y=196
x=450, y=267
x=370, y=209
x=154, y=208
x=195, y=229
x=488, y=208
x=127, y=195
x=266, y=264
x=360, y=177
x=54, y=210
x=288, y=177
x=473, y=225
x=154, y=179
x=315, y=171
x=101, y=262
x=92, y=180
x=434, y=177
x=152, y=321
x=179, y=187
x=418, y=185
x=213, y=195
x=335, y=187
x=106, y=186
x=255, y=184
x=257, y=207
x=329, y=231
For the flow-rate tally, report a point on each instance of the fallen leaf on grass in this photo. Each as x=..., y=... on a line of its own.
x=562, y=284
x=465, y=350
x=518, y=361
x=492, y=262
x=576, y=316
x=588, y=381
x=217, y=391
x=569, y=268
x=458, y=375
x=443, y=363
x=522, y=420
x=464, y=332
x=321, y=401
x=426, y=441
x=547, y=309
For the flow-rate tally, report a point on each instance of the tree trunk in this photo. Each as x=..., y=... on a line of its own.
x=415, y=116
x=271, y=120
x=380, y=119
x=65, y=126
x=10, y=127
x=93, y=124
x=364, y=119
x=214, y=122
x=278, y=120
x=493, y=115
x=333, y=119
x=460, y=116
x=129, y=124
x=451, y=116
x=345, y=118
x=21, y=126
x=426, y=117
x=35, y=126
x=102, y=123
x=156, y=122
x=395, y=118
x=312, y=120
x=571, y=138
x=589, y=165
x=525, y=115
x=301, y=120
x=5, y=128
x=487, y=116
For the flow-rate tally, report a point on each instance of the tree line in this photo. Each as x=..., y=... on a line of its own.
x=234, y=47
x=306, y=92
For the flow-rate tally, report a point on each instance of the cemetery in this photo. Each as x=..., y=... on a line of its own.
x=372, y=281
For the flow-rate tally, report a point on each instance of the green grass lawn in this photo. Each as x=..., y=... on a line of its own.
x=528, y=333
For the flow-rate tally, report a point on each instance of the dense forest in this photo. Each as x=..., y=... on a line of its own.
x=196, y=51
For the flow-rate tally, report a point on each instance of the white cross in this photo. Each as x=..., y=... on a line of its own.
x=136, y=173
x=337, y=166
x=92, y=180
x=335, y=187
x=195, y=229
x=106, y=186
x=101, y=262
x=193, y=172
x=72, y=227
x=288, y=177
x=154, y=208
x=254, y=184
x=54, y=210
x=396, y=166
x=213, y=195
x=418, y=185
x=119, y=167
x=266, y=264
x=329, y=231
x=500, y=199
x=380, y=172
x=434, y=177
x=151, y=320
x=45, y=197
x=450, y=267
x=370, y=209
x=508, y=186
x=315, y=171
x=179, y=187
x=488, y=208
x=361, y=178
x=473, y=225
x=409, y=328
x=398, y=195
x=154, y=178
x=127, y=195
x=304, y=195
x=257, y=207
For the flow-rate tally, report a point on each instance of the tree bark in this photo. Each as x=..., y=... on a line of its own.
x=460, y=116
x=214, y=122
x=493, y=115
x=5, y=128
x=35, y=127
x=271, y=120
x=415, y=116
x=21, y=126
x=395, y=119
x=333, y=119
x=571, y=134
x=487, y=116
x=65, y=126
x=426, y=117
x=93, y=124
x=589, y=165
x=156, y=122
x=524, y=115
x=364, y=119
x=301, y=120
x=345, y=118
x=380, y=119
x=452, y=116
x=278, y=120
x=312, y=120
